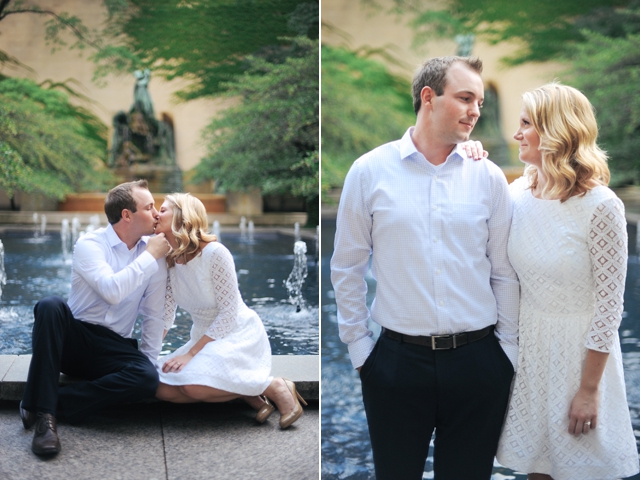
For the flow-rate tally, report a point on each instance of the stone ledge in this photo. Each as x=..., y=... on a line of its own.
x=304, y=370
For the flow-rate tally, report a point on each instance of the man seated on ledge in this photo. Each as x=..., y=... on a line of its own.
x=118, y=272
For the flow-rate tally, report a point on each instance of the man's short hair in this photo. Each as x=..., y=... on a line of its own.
x=433, y=73
x=121, y=197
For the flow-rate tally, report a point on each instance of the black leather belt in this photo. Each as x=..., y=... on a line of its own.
x=441, y=342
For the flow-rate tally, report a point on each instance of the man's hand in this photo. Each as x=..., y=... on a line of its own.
x=158, y=246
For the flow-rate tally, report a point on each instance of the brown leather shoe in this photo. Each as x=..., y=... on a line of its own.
x=45, y=438
x=28, y=418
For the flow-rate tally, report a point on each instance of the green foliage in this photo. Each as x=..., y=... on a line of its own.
x=47, y=145
x=542, y=28
x=363, y=106
x=270, y=138
x=206, y=43
x=607, y=71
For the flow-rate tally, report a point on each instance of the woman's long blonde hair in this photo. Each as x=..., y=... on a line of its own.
x=189, y=225
x=571, y=160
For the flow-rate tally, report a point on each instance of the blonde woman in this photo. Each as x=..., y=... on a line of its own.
x=228, y=355
x=568, y=416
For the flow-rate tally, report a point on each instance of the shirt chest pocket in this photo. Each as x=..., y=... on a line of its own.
x=466, y=222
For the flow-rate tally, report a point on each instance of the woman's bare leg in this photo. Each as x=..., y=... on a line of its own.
x=281, y=395
x=200, y=393
x=171, y=393
x=256, y=402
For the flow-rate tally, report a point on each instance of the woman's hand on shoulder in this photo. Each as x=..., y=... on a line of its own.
x=474, y=149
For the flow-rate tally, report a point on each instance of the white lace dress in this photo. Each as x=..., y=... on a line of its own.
x=571, y=259
x=239, y=358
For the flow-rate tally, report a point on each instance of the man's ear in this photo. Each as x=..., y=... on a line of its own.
x=127, y=216
x=427, y=94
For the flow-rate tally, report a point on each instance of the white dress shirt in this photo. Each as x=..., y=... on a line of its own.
x=111, y=285
x=437, y=236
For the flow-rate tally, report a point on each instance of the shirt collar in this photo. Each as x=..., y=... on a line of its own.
x=112, y=236
x=408, y=148
x=114, y=239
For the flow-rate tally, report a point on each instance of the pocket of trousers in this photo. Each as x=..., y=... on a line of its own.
x=366, y=366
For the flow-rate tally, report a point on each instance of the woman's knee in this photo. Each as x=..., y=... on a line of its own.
x=191, y=391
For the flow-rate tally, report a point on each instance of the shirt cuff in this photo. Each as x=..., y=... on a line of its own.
x=360, y=350
x=146, y=260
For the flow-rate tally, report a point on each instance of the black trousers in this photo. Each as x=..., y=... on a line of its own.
x=112, y=368
x=411, y=390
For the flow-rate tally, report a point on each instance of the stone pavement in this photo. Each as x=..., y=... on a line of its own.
x=163, y=441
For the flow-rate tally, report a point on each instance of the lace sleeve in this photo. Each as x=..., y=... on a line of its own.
x=225, y=287
x=608, y=251
x=170, y=305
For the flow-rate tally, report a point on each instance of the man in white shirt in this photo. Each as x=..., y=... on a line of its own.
x=118, y=272
x=435, y=224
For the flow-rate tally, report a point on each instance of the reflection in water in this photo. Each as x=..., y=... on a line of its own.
x=346, y=451
x=36, y=268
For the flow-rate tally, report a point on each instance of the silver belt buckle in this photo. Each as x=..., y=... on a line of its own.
x=435, y=337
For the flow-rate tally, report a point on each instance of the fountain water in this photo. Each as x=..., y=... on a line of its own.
x=38, y=269
x=95, y=221
x=216, y=229
x=36, y=231
x=75, y=230
x=243, y=231
x=3, y=274
x=43, y=224
x=250, y=229
x=298, y=274
x=296, y=231
x=65, y=237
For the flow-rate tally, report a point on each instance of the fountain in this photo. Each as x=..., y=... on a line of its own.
x=296, y=231
x=142, y=146
x=296, y=278
x=38, y=269
x=3, y=274
x=95, y=221
x=43, y=224
x=216, y=229
x=65, y=238
x=36, y=230
x=243, y=224
x=75, y=230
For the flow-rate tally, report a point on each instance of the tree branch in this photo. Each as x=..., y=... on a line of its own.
x=3, y=5
x=74, y=29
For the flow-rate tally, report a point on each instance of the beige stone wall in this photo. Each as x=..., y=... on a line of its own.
x=349, y=24
x=22, y=36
